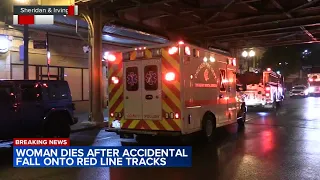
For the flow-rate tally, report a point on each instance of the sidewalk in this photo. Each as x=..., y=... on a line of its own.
x=84, y=123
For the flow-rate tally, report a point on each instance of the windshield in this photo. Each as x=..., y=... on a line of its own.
x=249, y=78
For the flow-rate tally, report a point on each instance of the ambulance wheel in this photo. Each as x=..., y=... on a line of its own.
x=209, y=126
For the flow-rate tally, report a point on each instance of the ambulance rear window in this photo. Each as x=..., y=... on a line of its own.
x=132, y=79
x=151, y=77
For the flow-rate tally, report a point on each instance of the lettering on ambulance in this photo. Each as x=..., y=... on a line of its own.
x=205, y=76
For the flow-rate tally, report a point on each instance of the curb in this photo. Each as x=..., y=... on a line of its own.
x=87, y=128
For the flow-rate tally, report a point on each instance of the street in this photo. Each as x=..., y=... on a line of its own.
x=274, y=145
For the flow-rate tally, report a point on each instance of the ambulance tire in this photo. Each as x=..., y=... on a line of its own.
x=208, y=127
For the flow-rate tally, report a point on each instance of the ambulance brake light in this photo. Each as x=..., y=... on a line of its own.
x=111, y=57
x=181, y=42
x=173, y=50
x=176, y=116
x=170, y=76
x=187, y=51
x=115, y=80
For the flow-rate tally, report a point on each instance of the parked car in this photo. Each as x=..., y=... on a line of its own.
x=299, y=91
x=32, y=108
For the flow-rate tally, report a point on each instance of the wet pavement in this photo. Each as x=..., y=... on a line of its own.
x=274, y=145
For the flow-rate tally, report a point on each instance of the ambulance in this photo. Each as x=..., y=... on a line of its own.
x=314, y=84
x=262, y=89
x=172, y=89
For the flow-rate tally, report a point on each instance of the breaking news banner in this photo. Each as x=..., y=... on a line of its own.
x=57, y=152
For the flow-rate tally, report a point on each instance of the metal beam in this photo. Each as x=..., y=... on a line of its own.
x=276, y=3
x=229, y=21
x=304, y=5
x=255, y=36
x=285, y=43
x=247, y=33
x=266, y=26
x=85, y=30
x=145, y=5
x=218, y=13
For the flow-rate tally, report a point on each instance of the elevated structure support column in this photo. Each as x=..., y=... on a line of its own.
x=96, y=68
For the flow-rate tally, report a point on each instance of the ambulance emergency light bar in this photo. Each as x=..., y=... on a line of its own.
x=25, y=15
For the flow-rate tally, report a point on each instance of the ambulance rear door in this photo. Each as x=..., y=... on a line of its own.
x=132, y=90
x=151, y=89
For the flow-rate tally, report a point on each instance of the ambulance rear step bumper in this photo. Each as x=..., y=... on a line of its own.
x=144, y=132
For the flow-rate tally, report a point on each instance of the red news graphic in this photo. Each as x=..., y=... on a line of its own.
x=36, y=18
x=41, y=142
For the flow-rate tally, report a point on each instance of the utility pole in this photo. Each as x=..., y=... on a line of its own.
x=26, y=51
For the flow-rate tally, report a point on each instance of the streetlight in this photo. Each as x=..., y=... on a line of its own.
x=252, y=53
x=245, y=54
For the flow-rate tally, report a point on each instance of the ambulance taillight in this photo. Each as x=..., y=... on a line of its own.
x=173, y=50
x=115, y=80
x=170, y=76
x=187, y=50
x=111, y=57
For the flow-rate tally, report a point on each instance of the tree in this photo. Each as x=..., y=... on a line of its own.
x=286, y=59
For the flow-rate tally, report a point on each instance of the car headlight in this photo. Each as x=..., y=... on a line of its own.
x=306, y=91
x=311, y=89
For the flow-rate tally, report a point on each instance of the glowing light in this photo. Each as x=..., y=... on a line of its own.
x=115, y=80
x=267, y=88
x=252, y=53
x=212, y=59
x=205, y=59
x=234, y=61
x=187, y=50
x=173, y=50
x=105, y=55
x=268, y=69
x=278, y=72
x=311, y=89
x=176, y=116
x=111, y=57
x=181, y=42
x=170, y=76
x=245, y=54
x=310, y=79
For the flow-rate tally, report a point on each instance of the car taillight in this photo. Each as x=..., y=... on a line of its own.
x=173, y=50
x=170, y=76
x=115, y=80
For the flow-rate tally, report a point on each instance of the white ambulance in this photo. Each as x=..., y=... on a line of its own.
x=262, y=89
x=172, y=89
